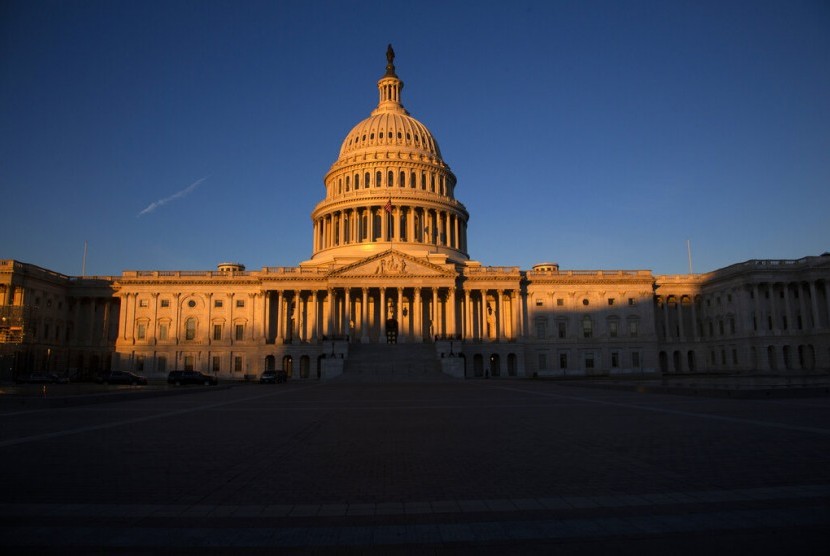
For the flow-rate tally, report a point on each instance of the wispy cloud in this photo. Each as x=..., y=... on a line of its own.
x=178, y=195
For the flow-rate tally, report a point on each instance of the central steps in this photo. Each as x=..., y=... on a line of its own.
x=392, y=363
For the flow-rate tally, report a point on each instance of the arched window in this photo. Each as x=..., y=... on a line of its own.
x=402, y=179
x=390, y=179
x=412, y=180
x=347, y=183
x=190, y=329
x=424, y=182
x=357, y=181
x=378, y=178
x=366, y=177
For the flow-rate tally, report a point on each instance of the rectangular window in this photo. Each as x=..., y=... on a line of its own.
x=217, y=302
x=589, y=360
x=610, y=301
x=539, y=302
x=635, y=359
x=631, y=301
x=563, y=361
x=141, y=332
x=143, y=303
x=217, y=364
x=560, y=302
x=217, y=331
x=139, y=363
x=612, y=329
x=161, y=363
x=587, y=328
x=162, y=331
x=633, y=329
x=188, y=362
x=165, y=303
x=562, y=329
x=240, y=331
x=615, y=360
x=734, y=356
x=240, y=302
x=541, y=332
x=237, y=364
x=543, y=362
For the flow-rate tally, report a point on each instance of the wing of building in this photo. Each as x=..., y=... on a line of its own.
x=390, y=289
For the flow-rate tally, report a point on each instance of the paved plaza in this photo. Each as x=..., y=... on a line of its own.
x=493, y=467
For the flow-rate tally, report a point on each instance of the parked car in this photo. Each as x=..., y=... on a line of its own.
x=121, y=377
x=41, y=378
x=190, y=377
x=268, y=377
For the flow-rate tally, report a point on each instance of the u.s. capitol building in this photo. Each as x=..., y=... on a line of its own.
x=390, y=288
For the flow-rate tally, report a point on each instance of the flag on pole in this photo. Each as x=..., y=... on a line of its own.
x=388, y=207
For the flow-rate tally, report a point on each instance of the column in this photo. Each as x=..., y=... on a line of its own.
x=315, y=333
x=695, y=327
x=410, y=225
x=773, y=312
x=814, y=305
x=666, y=316
x=517, y=323
x=417, y=318
x=280, y=337
x=759, y=323
x=681, y=332
x=364, y=317
x=468, y=317
x=328, y=310
x=435, y=315
x=348, y=313
x=482, y=322
x=451, y=312
x=382, y=312
x=788, y=309
x=398, y=308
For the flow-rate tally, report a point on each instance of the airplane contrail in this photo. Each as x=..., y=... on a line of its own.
x=178, y=195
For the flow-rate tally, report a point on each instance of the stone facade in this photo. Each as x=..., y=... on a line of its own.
x=390, y=264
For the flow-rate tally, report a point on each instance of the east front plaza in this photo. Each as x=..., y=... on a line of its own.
x=442, y=467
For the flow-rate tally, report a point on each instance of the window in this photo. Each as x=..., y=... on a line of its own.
x=589, y=360
x=188, y=362
x=585, y=302
x=139, y=363
x=633, y=328
x=610, y=301
x=560, y=302
x=563, y=360
x=143, y=303
x=216, y=364
x=217, y=303
x=161, y=363
x=541, y=330
x=635, y=359
x=141, y=331
x=631, y=301
x=217, y=331
x=240, y=302
x=165, y=303
x=587, y=327
x=191, y=303
x=615, y=360
x=539, y=302
x=163, y=331
x=562, y=328
x=190, y=329
x=240, y=331
x=612, y=329
x=543, y=362
x=237, y=364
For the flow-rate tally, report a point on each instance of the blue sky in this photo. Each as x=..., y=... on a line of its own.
x=599, y=135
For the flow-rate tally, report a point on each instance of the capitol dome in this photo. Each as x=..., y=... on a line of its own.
x=389, y=187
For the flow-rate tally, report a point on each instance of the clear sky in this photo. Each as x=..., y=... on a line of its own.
x=599, y=135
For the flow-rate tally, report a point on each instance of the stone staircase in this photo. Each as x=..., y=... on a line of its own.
x=392, y=363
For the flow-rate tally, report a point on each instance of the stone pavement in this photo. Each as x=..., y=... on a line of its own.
x=483, y=466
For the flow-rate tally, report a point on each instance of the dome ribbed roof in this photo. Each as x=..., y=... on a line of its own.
x=401, y=131
x=390, y=125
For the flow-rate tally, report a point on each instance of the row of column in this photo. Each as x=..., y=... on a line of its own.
x=419, y=313
x=391, y=223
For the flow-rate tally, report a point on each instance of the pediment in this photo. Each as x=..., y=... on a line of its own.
x=391, y=264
